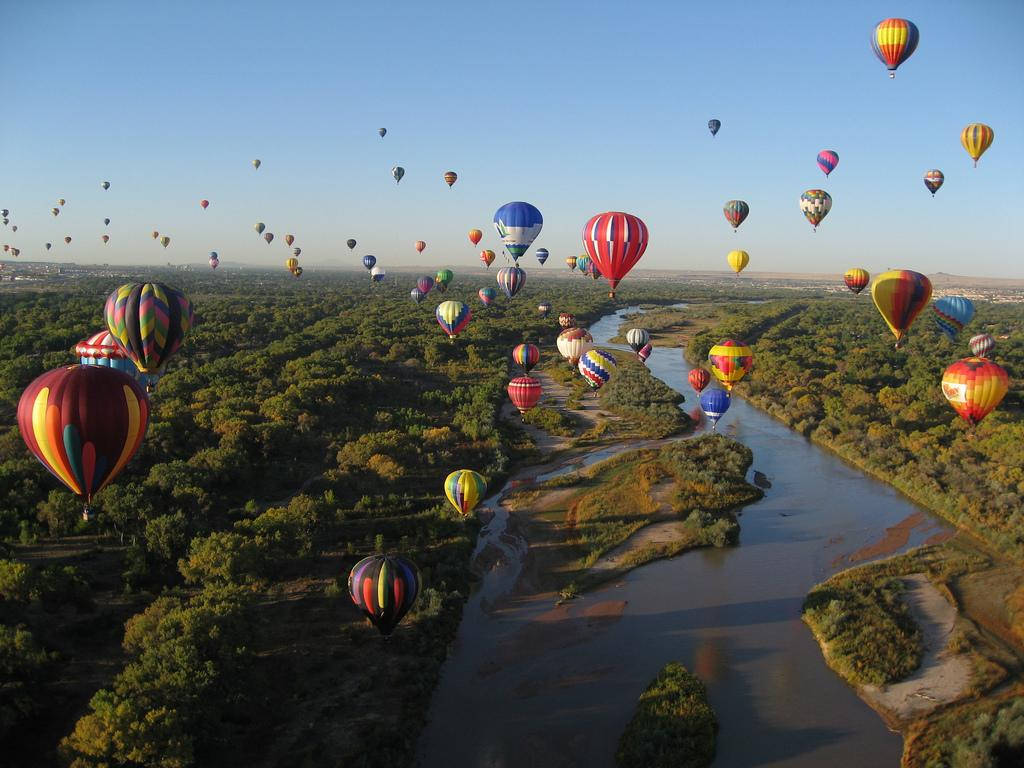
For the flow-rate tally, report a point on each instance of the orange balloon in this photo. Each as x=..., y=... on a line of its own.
x=475, y=235
x=420, y=245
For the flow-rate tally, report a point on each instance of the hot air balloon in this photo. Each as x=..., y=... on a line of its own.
x=699, y=378
x=976, y=138
x=511, y=280
x=487, y=296
x=730, y=361
x=952, y=313
x=5, y=212
x=450, y=177
x=596, y=367
x=369, y=260
x=419, y=245
x=384, y=588
x=297, y=272
x=828, y=159
x=67, y=240
x=637, y=338
x=214, y=261
x=464, y=489
x=14, y=228
x=518, y=225
x=566, y=320
x=933, y=179
x=570, y=262
x=256, y=163
x=102, y=349
x=982, y=344
x=269, y=237
x=425, y=283
x=382, y=132
x=815, y=204
x=893, y=41
x=900, y=295
x=714, y=403
x=204, y=204
x=61, y=202
x=524, y=392
x=644, y=352
x=49, y=246
x=106, y=222
x=572, y=343
x=155, y=234
x=105, y=239
x=856, y=279
x=150, y=320
x=526, y=356
x=84, y=423
x=6, y=221
x=736, y=212
x=296, y=251
x=974, y=386
x=351, y=244
x=542, y=255
x=453, y=317
x=105, y=184
x=55, y=211
x=259, y=226
x=615, y=242
x=487, y=256
x=738, y=260
x=397, y=173
x=543, y=309
x=377, y=274
x=443, y=278
x=291, y=263
x=714, y=125
x=583, y=264
x=475, y=235
x=289, y=239
x=417, y=295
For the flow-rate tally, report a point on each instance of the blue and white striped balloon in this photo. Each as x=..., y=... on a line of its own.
x=518, y=225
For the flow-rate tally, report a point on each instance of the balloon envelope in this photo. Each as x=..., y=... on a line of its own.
x=453, y=317
x=934, y=179
x=350, y=243
x=526, y=356
x=738, y=260
x=425, y=283
x=815, y=205
x=464, y=489
x=982, y=344
x=736, y=212
x=856, y=279
x=714, y=403
x=518, y=225
x=974, y=387
x=450, y=177
x=699, y=379
x=615, y=241
x=637, y=338
x=976, y=138
x=511, y=280
x=894, y=41
x=714, y=125
x=487, y=296
x=384, y=588
x=369, y=260
x=730, y=361
x=150, y=321
x=900, y=295
x=524, y=392
x=397, y=173
x=828, y=159
x=572, y=343
x=475, y=235
x=952, y=313
x=487, y=257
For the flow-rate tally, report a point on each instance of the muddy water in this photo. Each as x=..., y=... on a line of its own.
x=529, y=684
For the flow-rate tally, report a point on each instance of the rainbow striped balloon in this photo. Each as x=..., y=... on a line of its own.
x=828, y=159
x=974, y=387
x=150, y=320
x=894, y=41
x=384, y=588
x=976, y=138
x=730, y=361
x=526, y=356
x=453, y=317
x=464, y=489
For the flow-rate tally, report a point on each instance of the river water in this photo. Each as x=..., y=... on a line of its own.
x=530, y=685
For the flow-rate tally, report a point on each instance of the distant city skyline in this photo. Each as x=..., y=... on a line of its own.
x=575, y=107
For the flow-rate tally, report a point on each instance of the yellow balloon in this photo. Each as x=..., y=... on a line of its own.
x=292, y=263
x=464, y=489
x=738, y=260
x=976, y=138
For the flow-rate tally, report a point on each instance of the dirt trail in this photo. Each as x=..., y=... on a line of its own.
x=942, y=677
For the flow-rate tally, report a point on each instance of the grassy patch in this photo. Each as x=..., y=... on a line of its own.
x=673, y=726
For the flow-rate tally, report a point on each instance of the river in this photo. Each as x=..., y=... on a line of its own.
x=528, y=685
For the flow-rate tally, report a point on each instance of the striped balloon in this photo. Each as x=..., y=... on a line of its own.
x=583, y=264
x=544, y=309
x=699, y=379
x=150, y=321
x=524, y=392
x=511, y=280
x=828, y=159
x=894, y=41
x=974, y=387
x=83, y=423
x=736, y=212
x=542, y=255
x=815, y=204
x=637, y=338
x=417, y=295
x=487, y=296
x=384, y=588
x=596, y=367
x=644, y=352
x=450, y=177
x=899, y=296
x=487, y=256
x=714, y=125
x=102, y=349
x=714, y=403
x=369, y=260
x=952, y=313
x=572, y=343
x=570, y=262
x=856, y=279
x=982, y=344
x=614, y=241
x=464, y=489
x=933, y=179
x=976, y=138
x=526, y=356
x=453, y=317
x=730, y=361
x=425, y=283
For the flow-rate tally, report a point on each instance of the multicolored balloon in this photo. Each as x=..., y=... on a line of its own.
x=699, y=379
x=714, y=403
x=524, y=392
x=566, y=320
x=150, y=321
x=982, y=344
x=518, y=225
x=425, y=283
x=856, y=279
x=487, y=296
x=952, y=313
x=164, y=240
x=900, y=295
x=736, y=212
x=419, y=245
x=384, y=588
x=453, y=317
x=526, y=356
x=894, y=41
x=464, y=489
x=542, y=255
x=257, y=163
x=214, y=260
x=84, y=423
x=105, y=239
x=269, y=237
x=572, y=343
x=637, y=338
x=487, y=257
x=730, y=361
x=583, y=264
x=614, y=242
x=369, y=260
x=450, y=177
x=738, y=260
x=815, y=204
x=543, y=309
x=974, y=386
x=596, y=367
x=204, y=204
x=933, y=179
x=644, y=352
x=475, y=235
x=714, y=125
x=442, y=279
x=259, y=226
x=288, y=240
x=828, y=159
x=976, y=138
x=511, y=280
x=417, y=295
x=102, y=349
x=291, y=263
x=570, y=262
x=377, y=274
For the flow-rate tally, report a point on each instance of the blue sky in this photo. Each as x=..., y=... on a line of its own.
x=577, y=107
